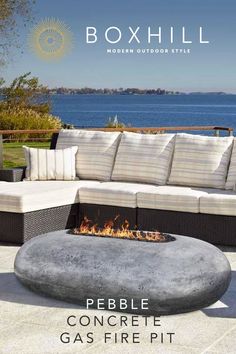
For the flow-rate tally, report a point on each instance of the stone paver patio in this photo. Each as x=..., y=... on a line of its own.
x=33, y=324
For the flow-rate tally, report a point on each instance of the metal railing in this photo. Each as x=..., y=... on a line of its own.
x=215, y=129
x=159, y=130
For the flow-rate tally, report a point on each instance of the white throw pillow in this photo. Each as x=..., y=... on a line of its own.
x=200, y=161
x=144, y=158
x=44, y=164
x=96, y=152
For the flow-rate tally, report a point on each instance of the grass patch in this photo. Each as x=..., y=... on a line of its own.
x=13, y=155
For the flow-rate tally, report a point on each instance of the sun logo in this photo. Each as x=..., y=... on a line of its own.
x=51, y=39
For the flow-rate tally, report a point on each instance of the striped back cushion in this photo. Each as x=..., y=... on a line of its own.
x=67, y=138
x=200, y=161
x=96, y=152
x=43, y=164
x=144, y=158
x=231, y=178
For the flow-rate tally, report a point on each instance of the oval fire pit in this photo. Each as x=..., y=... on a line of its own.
x=177, y=276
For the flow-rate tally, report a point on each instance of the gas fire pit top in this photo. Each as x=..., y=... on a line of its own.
x=88, y=228
x=180, y=276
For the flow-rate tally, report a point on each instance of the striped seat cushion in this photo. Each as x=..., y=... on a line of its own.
x=143, y=158
x=112, y=193
x=218, y=202
x=24, y=197
x=173, y=198
x=231, y=178
x=96, y=152
x=200, y=161
x=44, y=164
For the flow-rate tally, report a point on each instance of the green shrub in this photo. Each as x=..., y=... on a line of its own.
x=26, y=106
x=26, y=92
x=16, y=118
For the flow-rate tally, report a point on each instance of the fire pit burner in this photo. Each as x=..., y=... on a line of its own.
x=87, y=228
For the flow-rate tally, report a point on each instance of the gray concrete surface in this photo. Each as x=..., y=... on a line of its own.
x=176, y=277
x=32, y=324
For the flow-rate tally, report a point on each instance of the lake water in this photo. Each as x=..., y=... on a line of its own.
x=146, y=110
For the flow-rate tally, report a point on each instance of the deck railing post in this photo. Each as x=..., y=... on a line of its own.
x=1, y=152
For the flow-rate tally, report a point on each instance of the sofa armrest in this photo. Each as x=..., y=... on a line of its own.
x=12, y=174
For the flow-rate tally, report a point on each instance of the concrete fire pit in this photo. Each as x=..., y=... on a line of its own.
x=178, y=276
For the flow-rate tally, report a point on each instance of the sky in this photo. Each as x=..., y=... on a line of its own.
x=209, y=67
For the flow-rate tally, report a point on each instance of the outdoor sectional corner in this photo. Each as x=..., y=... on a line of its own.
x=28, y=209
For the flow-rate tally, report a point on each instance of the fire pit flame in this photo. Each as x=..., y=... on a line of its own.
x=87, y=228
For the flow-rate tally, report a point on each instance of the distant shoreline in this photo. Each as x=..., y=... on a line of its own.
x=51, y=92
x=64, y=91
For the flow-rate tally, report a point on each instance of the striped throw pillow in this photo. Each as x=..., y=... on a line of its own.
x=43, y=164
x=144, y=158
x=200, y=161
x=231, y=178
x=96, y=152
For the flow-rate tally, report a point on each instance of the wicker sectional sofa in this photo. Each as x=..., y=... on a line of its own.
x=176, y=183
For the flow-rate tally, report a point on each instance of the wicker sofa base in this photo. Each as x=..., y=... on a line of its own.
x=216, y=229
x=21, y=227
